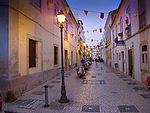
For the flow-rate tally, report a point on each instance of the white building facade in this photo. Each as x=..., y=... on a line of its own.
x=130, y=39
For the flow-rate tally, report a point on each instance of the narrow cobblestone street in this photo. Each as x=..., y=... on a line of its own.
x=104, y=90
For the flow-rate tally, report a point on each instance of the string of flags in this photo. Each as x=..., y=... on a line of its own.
x=50, y=4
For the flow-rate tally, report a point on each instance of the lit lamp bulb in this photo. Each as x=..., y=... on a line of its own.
x=61, y=17
x=84, y=44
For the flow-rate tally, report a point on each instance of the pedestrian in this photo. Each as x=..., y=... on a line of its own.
x=82, y=71
x=82, y=61
x=96, y=61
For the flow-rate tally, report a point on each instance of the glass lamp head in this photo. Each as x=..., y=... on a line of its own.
x=61, y=17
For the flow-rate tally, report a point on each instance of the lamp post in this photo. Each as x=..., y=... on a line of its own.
x=61, y=18
x=84, y=44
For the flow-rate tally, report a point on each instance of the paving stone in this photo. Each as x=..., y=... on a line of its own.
x=90, y=108
x=55, y=106
x=114, y=92
x=28, y=104
x=38, y=92
x=132, y=83
x=114, y=97
x=139, y=88
x=122, y=77
x=127, y=108
x=55, y=81
x=94, y=82
x=93, y=76
x=10, y=112
x=49, y=86
x=145, y=96
x=99, y=73
x=127, y=80
x=58, y=78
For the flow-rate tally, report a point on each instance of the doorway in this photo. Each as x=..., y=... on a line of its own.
x=66, y=57
x=122, y=61
x=130, y=62
x=71, y=59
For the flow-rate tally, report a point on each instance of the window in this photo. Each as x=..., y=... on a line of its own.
x=71, y=29
x=32, y=53
x=142, y=13
x=37, y=2
x=129, y=16
x=66, y=30
x=128, y=22
x=144, y=63
x=55, y=55
x=121, y=25
x=55, y=14
x=121, y=28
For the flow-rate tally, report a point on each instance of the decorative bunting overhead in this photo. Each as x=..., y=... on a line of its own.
x=100, y=30
x=135, y=15
x=86, y=12
x=110, y=42
x=117, y=14
x=70, y=34
x=102, y=16
x=127, y=21
x=49, y=4
x=75, y=33
x=127, y=15
x=67, y=9
x=83, y=32
x=77, y=37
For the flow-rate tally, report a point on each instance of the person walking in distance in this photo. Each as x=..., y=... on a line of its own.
x=82, y=61
x=96, y=61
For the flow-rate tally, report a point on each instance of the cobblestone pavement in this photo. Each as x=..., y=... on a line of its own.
x=104, y=90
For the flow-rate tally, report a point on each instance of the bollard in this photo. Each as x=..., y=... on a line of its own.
x=46, y=96
x=1, y=99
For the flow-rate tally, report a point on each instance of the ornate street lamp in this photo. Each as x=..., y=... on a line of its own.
x=84, y=44
x=61, y=19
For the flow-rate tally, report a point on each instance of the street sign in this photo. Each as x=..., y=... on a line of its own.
x=120, y=43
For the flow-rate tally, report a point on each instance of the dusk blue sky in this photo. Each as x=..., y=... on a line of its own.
x=93, y=21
